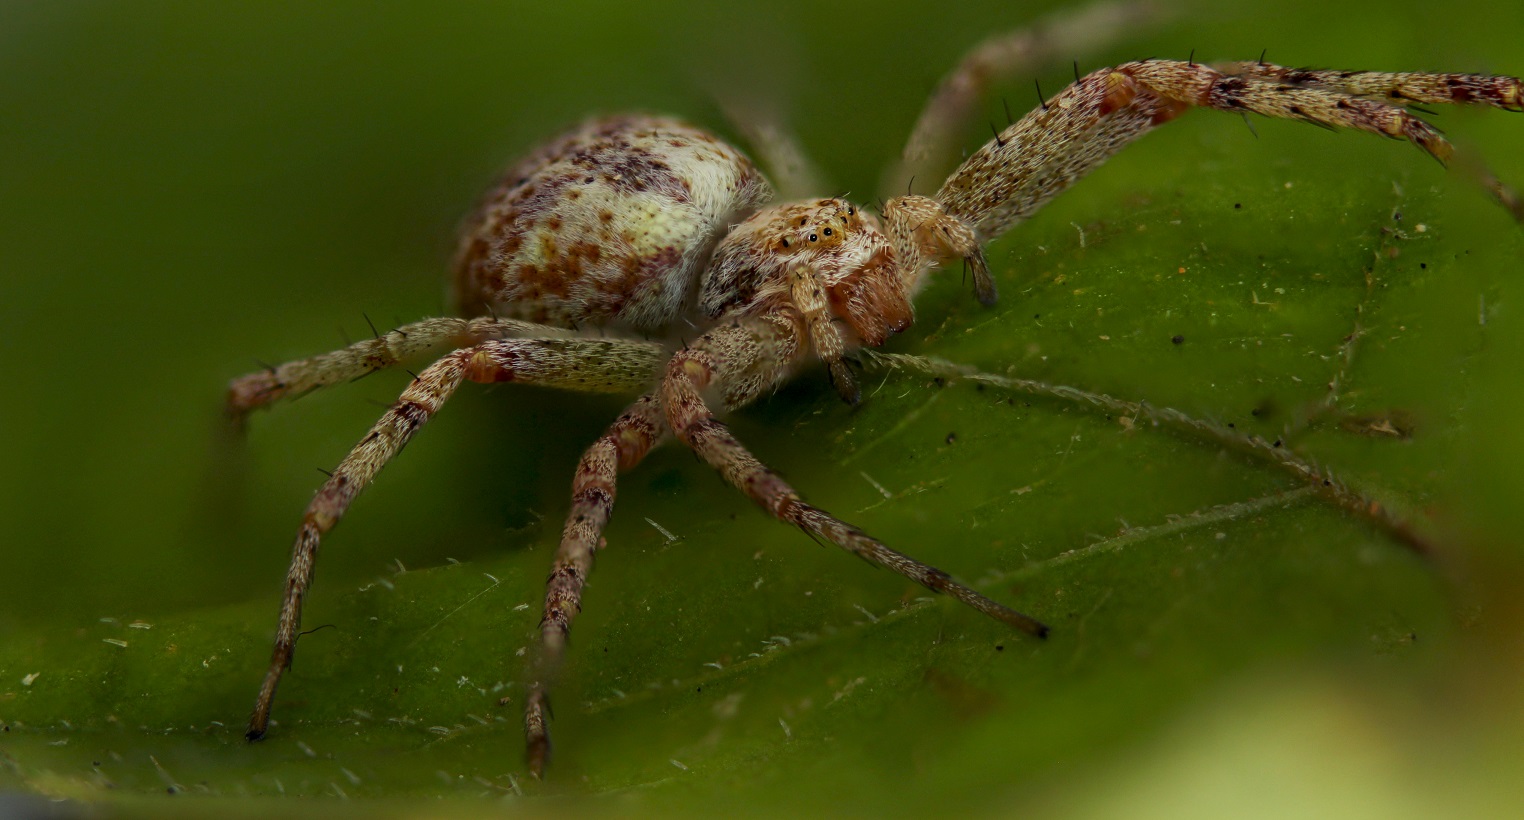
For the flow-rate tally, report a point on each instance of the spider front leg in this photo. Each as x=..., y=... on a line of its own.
x=738, y=362
x=589, y=365
x=623, y=446
x=1395, y=87
x=923, y=232
x=1085, y=124
x=1410, y=88
x=1058, y=38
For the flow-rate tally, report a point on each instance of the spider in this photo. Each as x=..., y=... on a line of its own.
x=644, y=228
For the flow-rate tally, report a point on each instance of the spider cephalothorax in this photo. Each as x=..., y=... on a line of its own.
x=706, y=297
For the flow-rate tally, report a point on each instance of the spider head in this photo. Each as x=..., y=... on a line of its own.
x=842, y=246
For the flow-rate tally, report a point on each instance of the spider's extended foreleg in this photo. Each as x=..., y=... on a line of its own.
x=1201, y=85
x=923, y=232
x=1395, y=87
x=724, y=362
x=411, y=342
x=1085, y=124
x=590, y=365
x=1060, y=37
x=1410, y=88
x=626, y=442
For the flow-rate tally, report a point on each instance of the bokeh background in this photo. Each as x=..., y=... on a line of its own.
x=187, y=189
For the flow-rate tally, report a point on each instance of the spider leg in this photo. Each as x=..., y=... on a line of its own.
x=1089, y=121
x=1049, y=149
x=625, y=443
x=411, y=342
x=1412, y=88
x=1397, y=88
x=589, y=365
x=720, y=361
x=1058, y=38
x=923, y=232
x=1201, y=85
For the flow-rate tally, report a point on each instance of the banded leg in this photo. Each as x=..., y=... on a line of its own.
x=623, y=446
x=411, y=342
x=712, y=363
x=1404, y=88
x=591, y=365
x=1397, y=88
x=1058, y=38
x=1089, y=121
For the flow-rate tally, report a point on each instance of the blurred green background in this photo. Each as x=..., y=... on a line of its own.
x=188, y=188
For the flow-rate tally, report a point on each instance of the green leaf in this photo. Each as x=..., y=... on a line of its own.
x=1341, y=298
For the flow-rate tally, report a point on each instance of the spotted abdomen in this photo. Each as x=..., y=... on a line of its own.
x=608, y=224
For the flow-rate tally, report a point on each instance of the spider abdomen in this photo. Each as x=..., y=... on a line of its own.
x=607, y=225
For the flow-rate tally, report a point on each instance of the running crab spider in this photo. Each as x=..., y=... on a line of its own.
x=639, y=225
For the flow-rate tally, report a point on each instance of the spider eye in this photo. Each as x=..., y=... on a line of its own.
x=813, y=237
x=785, y=243
x=827, y=231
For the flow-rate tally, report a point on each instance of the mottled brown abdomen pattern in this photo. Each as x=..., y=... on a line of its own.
x=607, y=225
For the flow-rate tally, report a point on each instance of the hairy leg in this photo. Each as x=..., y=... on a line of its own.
x=626, y=442
x=726, y=361
x=411, y=342
x=923, y=233
x=1407, y=88
x=1397, y=88
x=1086, y=123
x=1056, y=39
x=592, y=365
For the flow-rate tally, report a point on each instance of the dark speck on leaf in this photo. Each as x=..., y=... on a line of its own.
x=1177, y=339
x=952, y=437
